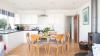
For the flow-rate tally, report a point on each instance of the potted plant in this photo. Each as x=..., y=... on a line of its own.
x=3, y=23
x=45, y=31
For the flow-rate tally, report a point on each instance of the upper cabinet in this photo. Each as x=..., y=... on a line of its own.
x=17, y=19
x=28, y=19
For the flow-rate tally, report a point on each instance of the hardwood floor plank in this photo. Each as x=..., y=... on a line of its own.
x=22, y=50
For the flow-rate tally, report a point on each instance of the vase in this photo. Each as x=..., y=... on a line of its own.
x=46, y=34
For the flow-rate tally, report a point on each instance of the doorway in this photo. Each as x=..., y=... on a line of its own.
x=72, y=26
x=76, y=28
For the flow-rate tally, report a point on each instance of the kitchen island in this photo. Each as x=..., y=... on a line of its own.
x=15, y=38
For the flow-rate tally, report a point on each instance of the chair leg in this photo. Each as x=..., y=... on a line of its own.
x=48, y=50
x=29, y=49
x=37, y=51
x=57, y=49
x=62, y=48
x=66, y=47
x=33, y=50
x=45, y=47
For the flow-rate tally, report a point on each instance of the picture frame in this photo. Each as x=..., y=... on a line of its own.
x=85, y=16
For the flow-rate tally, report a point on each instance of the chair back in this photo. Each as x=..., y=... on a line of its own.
x=59, y=37
x=28, y=41
x=28, y=38
x=68, y=36
x=35, y=37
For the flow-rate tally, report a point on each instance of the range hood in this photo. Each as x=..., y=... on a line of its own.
x=43, y=14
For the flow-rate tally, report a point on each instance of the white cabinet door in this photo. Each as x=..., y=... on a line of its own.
x=17, y=19
x=28, y=19
x=25, y=19
x=13, y=40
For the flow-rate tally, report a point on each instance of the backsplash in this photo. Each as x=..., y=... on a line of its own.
x=36, y=26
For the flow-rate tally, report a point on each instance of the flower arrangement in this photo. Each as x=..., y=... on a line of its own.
x=45, y=31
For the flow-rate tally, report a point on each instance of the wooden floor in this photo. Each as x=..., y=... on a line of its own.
x=22, y=50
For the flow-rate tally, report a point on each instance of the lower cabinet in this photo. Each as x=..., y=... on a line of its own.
x=15, y=39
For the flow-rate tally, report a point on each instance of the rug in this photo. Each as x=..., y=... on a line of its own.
x=81, y=54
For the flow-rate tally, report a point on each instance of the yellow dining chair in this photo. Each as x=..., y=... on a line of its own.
x=35, y=43
x=47, y=49
x=59, y=38
x=28, y=43
x=67, y=40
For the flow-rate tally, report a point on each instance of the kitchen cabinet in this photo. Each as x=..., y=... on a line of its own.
x=13, y=40
x=17, y=19
x=28, y=19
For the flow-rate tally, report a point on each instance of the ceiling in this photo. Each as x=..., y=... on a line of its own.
x=47, y=4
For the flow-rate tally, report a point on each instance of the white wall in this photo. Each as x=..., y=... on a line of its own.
x=72, y=28
x=58, y=22
x=84, y=29
x=68, y=23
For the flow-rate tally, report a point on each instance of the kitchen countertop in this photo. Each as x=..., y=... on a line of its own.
x=12, y=31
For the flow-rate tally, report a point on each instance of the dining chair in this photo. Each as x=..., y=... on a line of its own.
x=59, y=44
x=28, y=40
x=67, y=40
x=47, y=49
x=35, y=38
x=28, y=43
